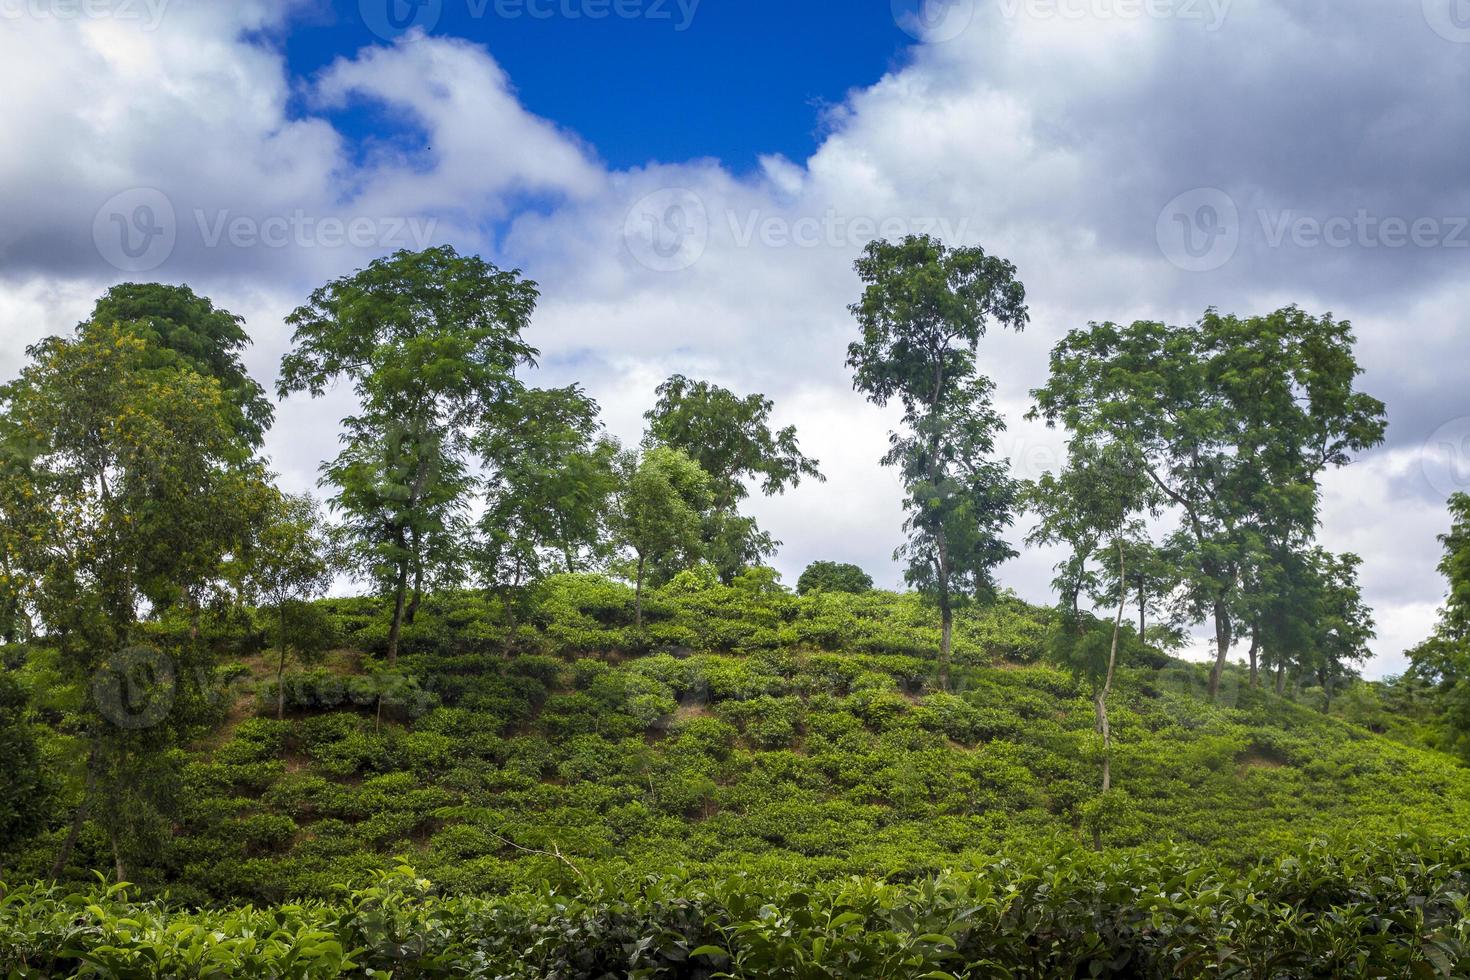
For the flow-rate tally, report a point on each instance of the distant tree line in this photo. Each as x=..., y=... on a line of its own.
x=132, y=484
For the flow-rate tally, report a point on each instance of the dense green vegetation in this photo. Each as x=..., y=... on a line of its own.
x=806, y=739
x=577, y=702
x=1398, y=910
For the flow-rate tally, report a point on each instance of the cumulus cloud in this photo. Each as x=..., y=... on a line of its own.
x=1203, y=152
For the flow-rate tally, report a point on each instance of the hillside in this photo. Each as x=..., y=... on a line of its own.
x=796, y=738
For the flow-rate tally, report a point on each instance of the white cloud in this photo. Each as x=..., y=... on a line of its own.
x=1053, y=143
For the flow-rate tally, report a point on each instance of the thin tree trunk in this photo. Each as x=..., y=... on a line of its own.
x=638, y=597
x=1107, y=688
x=1142, y=612
x=1281, y=678
x=946, y=614
x=1222, y=642
x=1255, y=649
x=510, y=622
x=400, y=596
x=412, y=611
x=79, y=816
x=281, y=667
x=117, y=861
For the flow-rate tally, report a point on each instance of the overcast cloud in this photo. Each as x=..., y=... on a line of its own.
x=1134, y=158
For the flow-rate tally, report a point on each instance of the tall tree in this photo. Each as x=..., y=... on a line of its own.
x=285, y=568
x=656, y=512
x=431, y=341
x=208, y=339
x=134, y=479
x=923, y=311
x=1095, y=506
x=1443, y=660
x=550, y=483
x=1344, y=622
x=731, y=438
x=1235, y=420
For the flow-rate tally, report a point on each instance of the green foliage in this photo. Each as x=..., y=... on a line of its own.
x=923, y=311
x=26, y=790
x=831, y=576
x=431, y=341
x=1394, y=908
x=731, y=439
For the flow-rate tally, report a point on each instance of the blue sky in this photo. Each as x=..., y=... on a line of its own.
x=712, y=78
x=691, y=200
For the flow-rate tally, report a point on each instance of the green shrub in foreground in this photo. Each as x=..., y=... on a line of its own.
x=1395, y=908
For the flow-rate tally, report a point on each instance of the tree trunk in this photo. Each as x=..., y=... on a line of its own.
x=79, y=816
x=1142, y=614
x=400, y=595
x=117, y=861
x=946, y=637
x=1107, y=688
x=638, y=597
x=1281, y=678
x=946, y=613
x=1222, y=643
x=418, y=596
x=1255, y=649
x=281, y=669
x=510, y=622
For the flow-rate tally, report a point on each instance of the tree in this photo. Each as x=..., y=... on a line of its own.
x=656, y=512
x=923, y=311
x=548, y=492
x=25, y=788
x=210, y=340
x=286, y=566
x=1235, y=419
x=731, y=439
x=1094, y=505
x=831, y=576
x=1443, y=660
x=1344, y=622
x=431, y=341
x=131, y=491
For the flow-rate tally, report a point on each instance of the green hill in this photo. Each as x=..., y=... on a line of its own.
x=744, y=729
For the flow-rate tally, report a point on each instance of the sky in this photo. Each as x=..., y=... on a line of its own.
x=689, y=182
